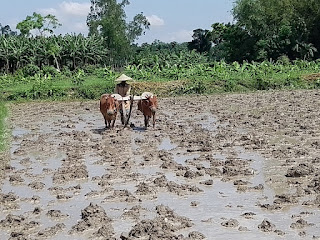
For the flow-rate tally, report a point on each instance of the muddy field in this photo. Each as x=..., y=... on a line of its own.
x=240, y=166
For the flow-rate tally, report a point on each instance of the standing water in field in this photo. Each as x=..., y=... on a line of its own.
x=224, y=171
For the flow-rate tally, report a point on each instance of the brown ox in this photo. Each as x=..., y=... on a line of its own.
x=109, y=107
x=148, y=107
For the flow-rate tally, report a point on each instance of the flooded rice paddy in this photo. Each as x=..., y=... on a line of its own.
x=237, y=166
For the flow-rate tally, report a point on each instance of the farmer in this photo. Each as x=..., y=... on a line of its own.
x=123, y=88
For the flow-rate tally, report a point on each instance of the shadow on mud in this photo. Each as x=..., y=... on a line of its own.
x=100, y=130
x=139, y=129
x=103, y=130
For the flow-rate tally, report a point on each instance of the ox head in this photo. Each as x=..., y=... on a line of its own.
x=111, y=104
x=152, y=103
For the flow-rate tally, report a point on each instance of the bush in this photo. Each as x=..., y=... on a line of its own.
x=99, y=72
x=49, y=70
x=89, y=69
x=78, y=78
x=30, y=70
x=66, y=72
x=6, y=80
x=230, y=85
x=284, y=60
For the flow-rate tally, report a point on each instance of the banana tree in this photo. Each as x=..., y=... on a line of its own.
x=54, y=50
x=5, y=51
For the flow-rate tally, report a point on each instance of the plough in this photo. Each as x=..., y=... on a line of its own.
x=125, y=116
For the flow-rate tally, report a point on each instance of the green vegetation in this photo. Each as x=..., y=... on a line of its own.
x=107, y=19
x=264, y=30
x=44, y=24
x=185, y=73
x=69, y=51
x=3, y=114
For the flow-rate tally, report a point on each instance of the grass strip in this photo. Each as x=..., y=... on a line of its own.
x=3, y=115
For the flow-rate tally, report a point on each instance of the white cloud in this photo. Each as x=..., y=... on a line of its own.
x=154, y=20
x=72, y=16
x=46, y=11
x=181, y=36
x=69, y=9
x=75, y=9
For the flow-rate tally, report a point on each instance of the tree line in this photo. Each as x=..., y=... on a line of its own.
x=262, y=30
x=69, y=51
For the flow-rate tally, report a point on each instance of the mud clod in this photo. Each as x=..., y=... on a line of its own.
x=301, y=170
x=266, y=226
x=230, y=223
x=300, y=223
x=93, y=217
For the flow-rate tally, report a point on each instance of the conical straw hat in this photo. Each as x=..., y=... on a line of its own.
x=123, y=77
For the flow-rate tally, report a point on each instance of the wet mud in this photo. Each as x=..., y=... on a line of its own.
x=234, y=166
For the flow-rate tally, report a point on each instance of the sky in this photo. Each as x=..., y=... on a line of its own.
x=171, y=20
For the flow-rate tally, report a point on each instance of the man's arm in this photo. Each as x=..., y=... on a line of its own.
x=128, y=91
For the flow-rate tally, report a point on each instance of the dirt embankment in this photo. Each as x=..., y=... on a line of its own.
x=216, y=167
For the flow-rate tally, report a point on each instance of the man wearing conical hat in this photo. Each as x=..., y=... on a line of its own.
x=123, y=88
